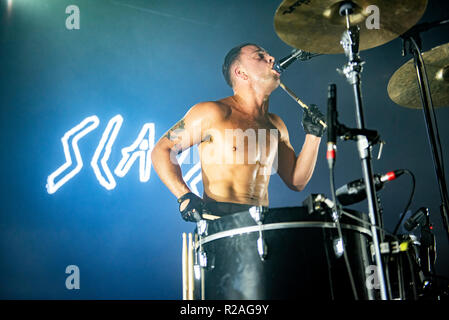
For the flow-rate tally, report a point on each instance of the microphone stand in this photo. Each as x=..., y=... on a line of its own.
x=352, y=71
x=413, y=38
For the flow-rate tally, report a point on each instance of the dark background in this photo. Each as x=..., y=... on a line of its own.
x=150, y=61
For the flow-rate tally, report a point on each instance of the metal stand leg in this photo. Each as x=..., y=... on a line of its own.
x=426, y=100
x=352, y=71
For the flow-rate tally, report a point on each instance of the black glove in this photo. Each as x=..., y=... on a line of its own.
x=194, y=209
x=311, y=121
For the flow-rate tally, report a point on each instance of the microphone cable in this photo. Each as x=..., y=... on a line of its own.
x=412, y=193
x=331, y=157
x=336, y=218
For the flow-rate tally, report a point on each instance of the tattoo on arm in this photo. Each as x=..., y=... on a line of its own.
x=172, y=133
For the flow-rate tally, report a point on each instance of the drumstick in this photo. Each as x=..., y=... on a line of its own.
x=302, y=104
x=184, y=267
x=210, y=216
x=190, y=267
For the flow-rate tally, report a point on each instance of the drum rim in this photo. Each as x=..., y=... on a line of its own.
x=276, y=226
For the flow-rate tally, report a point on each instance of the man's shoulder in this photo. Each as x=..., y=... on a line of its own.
x=279, y=124
x=276, y=120
x=215, y=109
x=212, y=106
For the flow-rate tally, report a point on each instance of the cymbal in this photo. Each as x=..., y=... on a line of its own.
x=403, y=86
x=316, y=25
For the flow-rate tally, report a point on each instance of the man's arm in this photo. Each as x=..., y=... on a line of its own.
x=295, y=171
x=184, y=134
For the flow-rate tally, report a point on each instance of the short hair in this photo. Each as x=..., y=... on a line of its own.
x=229, y=59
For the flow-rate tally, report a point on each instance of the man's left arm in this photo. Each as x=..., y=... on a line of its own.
x=296, y=171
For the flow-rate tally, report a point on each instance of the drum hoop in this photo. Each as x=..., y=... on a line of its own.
x=275, y=226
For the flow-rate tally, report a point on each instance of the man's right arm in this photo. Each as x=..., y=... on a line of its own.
x=188, y=131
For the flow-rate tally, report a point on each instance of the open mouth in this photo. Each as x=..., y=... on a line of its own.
x=276, y=68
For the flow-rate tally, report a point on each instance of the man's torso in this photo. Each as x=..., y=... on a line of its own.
x=237, y=155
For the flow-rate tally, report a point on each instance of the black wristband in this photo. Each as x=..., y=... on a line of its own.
x=186, y=196
x=311, y=121
x=193, y=211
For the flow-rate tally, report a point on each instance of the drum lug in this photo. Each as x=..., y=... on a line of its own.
x=257, y=213
x=201, y=227
x=202, y=259
x=262, y=247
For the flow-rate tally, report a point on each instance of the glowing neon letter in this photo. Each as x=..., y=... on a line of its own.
x=79, y=131
x=107, y=139
x=144, y=153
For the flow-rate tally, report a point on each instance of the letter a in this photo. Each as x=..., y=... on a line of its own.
x=72, y=21
x=372, y=281
x=73, y=280
x=372, y=21
x=141, y=148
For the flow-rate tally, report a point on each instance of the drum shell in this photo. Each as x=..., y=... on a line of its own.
x=301, y=261
x=404, y=270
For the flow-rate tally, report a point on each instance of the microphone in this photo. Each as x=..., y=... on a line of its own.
x=354, y=191
x=418, y=218
x=331, y=125
x=296, y=54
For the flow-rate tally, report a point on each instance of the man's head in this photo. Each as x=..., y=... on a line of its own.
x=247, y=60
x=231, y=57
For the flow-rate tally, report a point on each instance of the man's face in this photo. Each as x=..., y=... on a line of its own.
x=257, y=65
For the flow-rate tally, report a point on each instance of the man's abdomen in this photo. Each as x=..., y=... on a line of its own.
x=239, y=185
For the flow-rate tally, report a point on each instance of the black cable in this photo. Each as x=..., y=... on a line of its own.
x=336, y=218
x=412, y=275
x=385, y=232
x=369, y=224
x=408, y=203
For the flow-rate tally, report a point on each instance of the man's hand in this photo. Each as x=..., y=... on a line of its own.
x=191, y=207
x=311, y=121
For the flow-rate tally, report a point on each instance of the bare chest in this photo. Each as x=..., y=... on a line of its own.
x=241, y=142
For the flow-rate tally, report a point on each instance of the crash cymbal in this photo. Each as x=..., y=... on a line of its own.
x=403, y=86
x=316, y=26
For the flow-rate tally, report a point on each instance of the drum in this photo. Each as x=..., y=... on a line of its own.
x=407, y=279
x=282, y=253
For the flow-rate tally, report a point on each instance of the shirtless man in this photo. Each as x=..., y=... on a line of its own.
x=238, y=141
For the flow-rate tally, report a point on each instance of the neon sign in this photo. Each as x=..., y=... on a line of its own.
x=107, y=139
x=140, y=150
x=144, y=154
x=80, y=130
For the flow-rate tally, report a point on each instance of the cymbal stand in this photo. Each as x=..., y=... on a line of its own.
x=412, y=37
x=352, y=71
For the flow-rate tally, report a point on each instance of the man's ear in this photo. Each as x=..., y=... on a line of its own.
x=239, y=72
